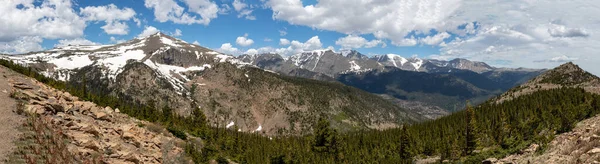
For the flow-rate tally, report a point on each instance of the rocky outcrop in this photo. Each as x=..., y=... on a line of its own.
x=92, y=129
x=581, y=145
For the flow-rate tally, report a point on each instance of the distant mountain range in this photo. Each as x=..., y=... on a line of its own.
x=162, y=71
x=263, y=92
x=432, y=87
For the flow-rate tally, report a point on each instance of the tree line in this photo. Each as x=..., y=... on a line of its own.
x=500, y=128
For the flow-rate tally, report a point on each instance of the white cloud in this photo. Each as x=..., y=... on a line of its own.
x=177, y=33
x=436, y=39
x=227, y=48
x=116, y=28
x=111, y=15
x=244, y=41
x=563, y=31
x=295, y=47
x=538, y=34
x=22, y=45
x=243, y=9
x=115, y=40
x=169, y=10
x=386, y=19
x=77, y=41
x=406, y=42
x=196, y=42
x=559, y=59
x=50, y=19
x=354, y=41
x=284, y=42
x=282, y=33
x=268, y=40
x=224, y=9
x=148, y=30
x=251, y=51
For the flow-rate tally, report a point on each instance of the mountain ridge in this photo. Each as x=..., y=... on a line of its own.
x=166, y=72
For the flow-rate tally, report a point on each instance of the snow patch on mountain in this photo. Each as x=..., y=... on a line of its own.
x=354, y=66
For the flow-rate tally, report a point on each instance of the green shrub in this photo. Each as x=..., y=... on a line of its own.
x=177, y=133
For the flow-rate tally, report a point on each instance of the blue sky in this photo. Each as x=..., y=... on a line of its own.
x=517, y=33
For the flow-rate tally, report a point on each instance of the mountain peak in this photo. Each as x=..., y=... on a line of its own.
x=567, y=74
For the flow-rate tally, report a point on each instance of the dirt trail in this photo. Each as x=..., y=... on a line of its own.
x=9, y=120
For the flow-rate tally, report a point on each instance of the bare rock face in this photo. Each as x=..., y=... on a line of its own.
x=92, y=129
x=581, y=145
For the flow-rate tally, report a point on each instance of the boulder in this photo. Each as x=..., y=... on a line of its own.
x=490, y=161
x=108, y=109
x=32, y=95
x=91, y=130
x=101, y=116
x=34, y=109
x=127, y=135
x=132, y=158
x=91, y=144
x=594, y=151
x=67, y=96
x=56, y=107
x=22, y=86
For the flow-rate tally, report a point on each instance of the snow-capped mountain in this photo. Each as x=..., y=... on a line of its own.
x=170, y=57
x=162, y=71
x=325, y=62
x=331, y=63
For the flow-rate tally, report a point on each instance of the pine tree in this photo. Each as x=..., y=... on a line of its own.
x=471, y=130
x=325, y=139
x=405, y=144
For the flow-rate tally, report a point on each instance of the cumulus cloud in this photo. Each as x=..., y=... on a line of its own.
x=196, y=42
x=314, y=43
x=436, y=39
x=177, y=33
x=111, y=15
x=203, y=11
x=528, y=33
x=385, y=19
x=243, y=9
x=116, y=28
x=251, y=51
x=282, y=33
x=48, y=20
x=22, y=45
x=559, y=59
x=244, y=41
x=73, y=42
x=148, y=30
x=284, y=42
x=354, y=41
x=406, y=42
x=115, y=40
x=227, y=48
x=563, y=31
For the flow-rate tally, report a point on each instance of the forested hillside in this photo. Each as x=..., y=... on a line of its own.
x=489, y=130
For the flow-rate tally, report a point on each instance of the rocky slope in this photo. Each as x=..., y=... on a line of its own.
x=90, y=132
x=581, y=145
x=565, y=75
x=9, y=120
x=163, y=71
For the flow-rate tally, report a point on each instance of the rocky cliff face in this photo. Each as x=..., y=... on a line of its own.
x=83, y=131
